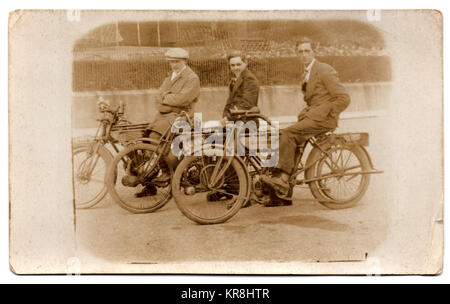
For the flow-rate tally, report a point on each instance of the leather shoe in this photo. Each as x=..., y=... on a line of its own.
x=130, y=181
x=278, y=203
x=163, y=178
x=277, y=183
x=217, y=196
x=147, y=191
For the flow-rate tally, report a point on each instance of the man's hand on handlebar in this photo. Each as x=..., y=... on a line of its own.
x=250, y=113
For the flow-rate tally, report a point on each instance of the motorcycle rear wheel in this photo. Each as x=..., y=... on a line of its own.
x=340, y=183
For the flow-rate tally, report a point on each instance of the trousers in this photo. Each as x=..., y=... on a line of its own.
x=295, y=135
x=159, y=126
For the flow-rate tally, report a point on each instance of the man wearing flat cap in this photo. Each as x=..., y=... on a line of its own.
x=179, y=91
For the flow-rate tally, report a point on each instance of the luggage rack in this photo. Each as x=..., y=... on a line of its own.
x=129, y=132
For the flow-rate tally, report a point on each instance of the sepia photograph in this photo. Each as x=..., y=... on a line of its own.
x=295, y=142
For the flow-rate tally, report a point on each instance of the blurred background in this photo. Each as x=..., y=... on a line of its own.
x=125, y=61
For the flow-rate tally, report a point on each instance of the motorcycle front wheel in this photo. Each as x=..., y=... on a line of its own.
x=206, y=203
x=135, y=167
x=88, y=174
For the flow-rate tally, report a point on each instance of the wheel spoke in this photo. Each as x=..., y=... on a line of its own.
x=137, y=158
x=350, y=154
x=340, y=158
x=352, y=176
x=89, y=187
x=328, y=164
x=209, y=205
x=345, y=183
x=351, y=168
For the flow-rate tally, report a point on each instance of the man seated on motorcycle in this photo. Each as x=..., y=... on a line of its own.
x=243, y=91
x=243, y=88
x=325, y=97
x=178, y=92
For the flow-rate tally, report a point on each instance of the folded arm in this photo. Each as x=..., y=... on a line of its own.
x=189, y=92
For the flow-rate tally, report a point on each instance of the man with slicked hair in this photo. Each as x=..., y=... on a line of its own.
x=243, y=95
x=243, y=87
x=325, y=98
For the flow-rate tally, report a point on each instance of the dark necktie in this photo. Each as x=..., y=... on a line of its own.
x=232, y=83
x=304, y=86
x=304, y=80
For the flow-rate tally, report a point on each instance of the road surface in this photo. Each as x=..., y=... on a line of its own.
x=305, y=231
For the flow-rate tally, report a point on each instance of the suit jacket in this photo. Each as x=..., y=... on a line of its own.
x=180, y=93
x=325, y=96
x=243, y=94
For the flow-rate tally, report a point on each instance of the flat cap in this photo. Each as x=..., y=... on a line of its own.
x=177, y=53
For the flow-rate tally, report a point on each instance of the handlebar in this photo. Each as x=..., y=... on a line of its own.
x=121, y=108
x=110, y=115
x=118, y=110
x=105, y=106
x=252, y=113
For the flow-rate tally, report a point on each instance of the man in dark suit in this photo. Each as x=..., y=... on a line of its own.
x=243, y=95
x=325, y=97
x=243, y=88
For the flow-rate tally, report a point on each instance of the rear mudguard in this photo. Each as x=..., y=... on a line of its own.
x=368, y=157
x=344, y=139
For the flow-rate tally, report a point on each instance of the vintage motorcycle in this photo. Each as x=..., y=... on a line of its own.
x=91, y=157
x=212, y=189
x=145, y=162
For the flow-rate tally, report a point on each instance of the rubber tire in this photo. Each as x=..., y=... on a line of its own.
x=111, y=176
x=107, y=157
x=178, y=194
x=323, y=198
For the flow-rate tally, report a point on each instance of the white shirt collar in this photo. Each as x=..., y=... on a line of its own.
x=308, y=70
x=175, y=74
